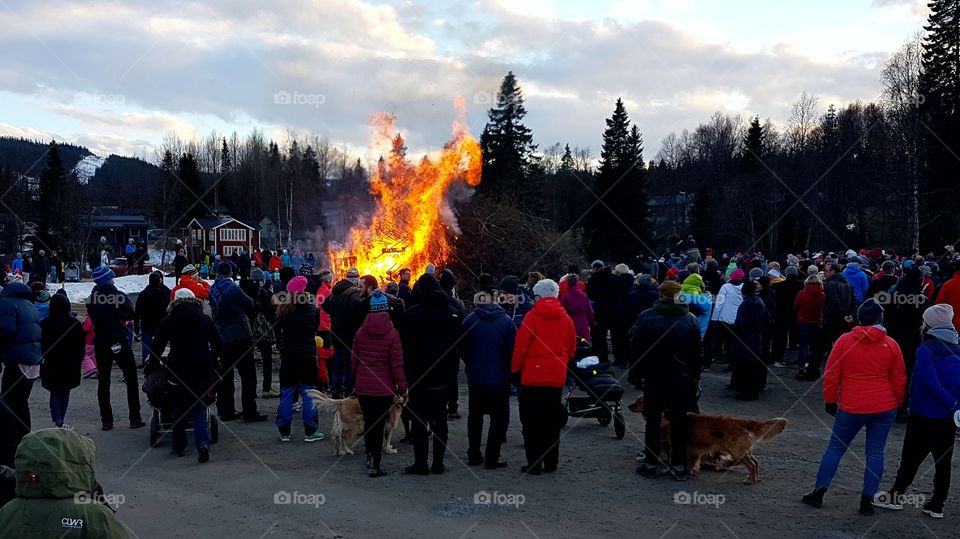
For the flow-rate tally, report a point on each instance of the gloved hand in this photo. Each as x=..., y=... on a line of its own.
x=831, y=408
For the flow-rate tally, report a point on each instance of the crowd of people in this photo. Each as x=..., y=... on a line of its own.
x=878, y=328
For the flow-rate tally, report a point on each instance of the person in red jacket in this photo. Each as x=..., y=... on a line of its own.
x=863, y=385
x=545, y=343
x=809, y=308
x=190, y=280
x=950, y=293
x=377, y=363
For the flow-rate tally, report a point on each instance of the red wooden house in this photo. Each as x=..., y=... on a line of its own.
x=222, y=235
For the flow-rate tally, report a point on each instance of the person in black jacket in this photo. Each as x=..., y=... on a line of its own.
x=191, y=334
x=620, y=321
x=20, y=352
x=641, y=297
x=298, y=317
x=63, y=345
x=430, y=333
x=405, y=292
x=151, y=308
x=785, y=293
x=600, y=290
x=243, y=265
x=666, y=353
x=347, y=312
x=179, y=262
x=746, y=351
x=110, y=310
x=41, y=268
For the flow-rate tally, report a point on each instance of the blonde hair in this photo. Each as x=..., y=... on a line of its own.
x=813, y=279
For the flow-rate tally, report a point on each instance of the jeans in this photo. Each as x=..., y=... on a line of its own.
x=14, y=398
x=926, y=436
x=375, y=411
x=58, y=406
x=340, y=377
x=238, y=355
x=186, y=407
x=285, y=410
x=542, y=418
x=845, y=429
x=146, y=342
x=807, y=337
x=128, y=366
x=494, y=402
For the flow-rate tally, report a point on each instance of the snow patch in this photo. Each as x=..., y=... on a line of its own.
x=87, y=167
x=131, y=284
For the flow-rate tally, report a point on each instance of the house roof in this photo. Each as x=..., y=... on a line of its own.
x=210, y=223
x=114, y=221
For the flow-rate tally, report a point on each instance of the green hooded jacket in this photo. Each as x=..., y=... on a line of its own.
x=55, y=490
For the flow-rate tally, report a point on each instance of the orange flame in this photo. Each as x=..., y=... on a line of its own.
x=413, y=221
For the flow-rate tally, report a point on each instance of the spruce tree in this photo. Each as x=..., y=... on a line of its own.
x=509, y=168
x=189, y=191
x=52, y=200
x=616, y=225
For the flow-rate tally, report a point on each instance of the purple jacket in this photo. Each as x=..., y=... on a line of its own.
x=377, y=359
x=577, y=305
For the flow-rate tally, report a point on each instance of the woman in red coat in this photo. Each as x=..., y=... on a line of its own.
x=809, y=308
x=377, y=363
x=545, y=343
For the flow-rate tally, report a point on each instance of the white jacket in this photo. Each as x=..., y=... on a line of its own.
x=728, y=301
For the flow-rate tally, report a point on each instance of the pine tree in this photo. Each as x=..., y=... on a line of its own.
x=507, y=144
x=566, y=162
x=189, y=192
x=940, y=116
x=616, y=225
x=52, y=200
x=754, y=147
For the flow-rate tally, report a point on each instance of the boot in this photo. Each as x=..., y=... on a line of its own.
x=439, y=451
x=866, y=505
x=419, y=466
x=815, y=498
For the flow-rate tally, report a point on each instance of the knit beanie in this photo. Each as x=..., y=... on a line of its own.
x=938, y=315
x=103, y=275
x=870, y=313
x=672, y=274
x=256, y=274
x=620, y=269
x=378, y=302
x=755, y=274
x=189, y=269
x=546, y=288
x=736, y=275
x=669, y=289
x=353, y=273
x=486, y=283
x=326, y=275
x=645, y=279
x=511, y=285
x=812, y=269
x=297, y=284
x=184, y=293
x=791, y=271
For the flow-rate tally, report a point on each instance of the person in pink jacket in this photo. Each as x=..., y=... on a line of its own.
x=377, y=364
x=863, y=385
x=578, y=306
x=89, y=364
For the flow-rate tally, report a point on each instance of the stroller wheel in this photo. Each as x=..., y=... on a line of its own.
x=604, y=418
x=619, y=425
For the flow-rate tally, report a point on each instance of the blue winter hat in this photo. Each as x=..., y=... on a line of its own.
x=103, y=275
x=378, y=302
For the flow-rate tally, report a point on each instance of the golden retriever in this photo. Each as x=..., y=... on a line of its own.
x=348, y=421
x=721, y=441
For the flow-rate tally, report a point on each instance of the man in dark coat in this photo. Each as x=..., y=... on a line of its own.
x=746, y=351
x=63, y=345
x=641, y=297
x=243, y=265
x=883, y=282
x=151, y=308
x=667, y=357
x=600, y=290
x=179, y=262
x=191, y=334
x=785, y=292
x=347, y=312
x=839, y=311
x=110, y=310
x=405, y=292
x=20, y=352
x=487, y=348
x=41, y=268
x=430, y=333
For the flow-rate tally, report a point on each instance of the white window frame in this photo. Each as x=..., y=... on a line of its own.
x=233, y=234
x=228, y=250
x=134, y=233
x=213, y=235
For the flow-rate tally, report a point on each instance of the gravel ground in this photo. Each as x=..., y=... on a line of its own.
x=594, y=493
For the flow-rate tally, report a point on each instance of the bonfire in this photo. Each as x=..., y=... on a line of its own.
x=413, y=224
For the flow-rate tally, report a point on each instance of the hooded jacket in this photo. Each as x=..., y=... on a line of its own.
x=728, y=302
x=700, y=303
x=346, y=310
x=858, y=280
x=63, y=345
x=786, y=292
x=577, y=305
x=377, y=358
x=19, y=326
x=55, y=469
x=935, y=386
x=191, y=334
x=809, y=304
x=323, y=292
x=430, y=333
x=232, y=309
x=865, y=372
x=950, y=293
x=193, y=283
x=666, y=348
x=839, y=300
x=152, y=304
x=639, y=299
x=110, y=310
x=545, y=343
x=487, y=346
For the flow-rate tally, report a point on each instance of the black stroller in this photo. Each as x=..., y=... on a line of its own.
x=602, y=391
x=160, y=389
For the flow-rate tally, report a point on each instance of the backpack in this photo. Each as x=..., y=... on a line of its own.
x=263, y=330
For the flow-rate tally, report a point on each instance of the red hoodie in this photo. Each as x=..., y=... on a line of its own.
x=377, y=358
x=865, y=372
x=809, y=304
x=545, y=343
x=322, y=294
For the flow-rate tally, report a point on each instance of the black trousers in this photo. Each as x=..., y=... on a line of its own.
x=675, y=405
x=781, y=333
x=429, y=410
x=598, y=339
x=620, y=340
x=926, y=436
x=15, y=413
x=453, y=395
x=375, y=411
x=266, y=357
x=494, y=402
x=542, y=418
x=238, y=356
x=823, y=345
x=722, y=337
x=128, y=366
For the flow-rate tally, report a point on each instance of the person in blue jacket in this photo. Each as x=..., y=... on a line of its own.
x=934, y=397
x=20, y=352
x=486, y=349
x=858, y=280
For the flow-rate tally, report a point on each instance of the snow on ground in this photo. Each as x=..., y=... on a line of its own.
x=87, y=167
x=132, y=284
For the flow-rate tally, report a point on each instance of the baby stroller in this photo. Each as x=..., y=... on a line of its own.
x=602, y=391
x=160, y=390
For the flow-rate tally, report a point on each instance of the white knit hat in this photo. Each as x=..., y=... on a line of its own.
x=184, y=293
x=546, y=288
x=938, y=315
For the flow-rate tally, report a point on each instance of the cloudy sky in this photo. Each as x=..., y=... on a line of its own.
x=116, y=76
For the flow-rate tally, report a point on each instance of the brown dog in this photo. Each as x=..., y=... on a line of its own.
x=348, y=421
x=721, y=441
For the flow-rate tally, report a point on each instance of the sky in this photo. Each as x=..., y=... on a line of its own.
x=118, y=76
